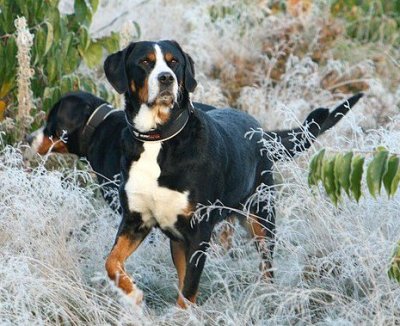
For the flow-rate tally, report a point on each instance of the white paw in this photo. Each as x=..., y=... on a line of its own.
x=136, y=295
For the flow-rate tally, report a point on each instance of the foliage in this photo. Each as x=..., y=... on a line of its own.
x=344, y=172
x=61, y=43
x=377, y=20
x=394, y=269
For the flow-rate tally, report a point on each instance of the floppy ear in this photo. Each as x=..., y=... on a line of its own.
x=190, y=81
x=114, y=67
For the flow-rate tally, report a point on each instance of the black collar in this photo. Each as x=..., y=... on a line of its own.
x=97, y=117
x=165, y=132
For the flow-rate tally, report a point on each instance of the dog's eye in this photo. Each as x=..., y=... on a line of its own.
x=173, y=61
x=145, y=62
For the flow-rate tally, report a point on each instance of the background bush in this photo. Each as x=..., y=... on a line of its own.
x=61, y=43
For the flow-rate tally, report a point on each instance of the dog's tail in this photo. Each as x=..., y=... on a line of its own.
x=297, y=140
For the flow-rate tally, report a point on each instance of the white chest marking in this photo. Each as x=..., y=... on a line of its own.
x=146, y=119
x=156, y=204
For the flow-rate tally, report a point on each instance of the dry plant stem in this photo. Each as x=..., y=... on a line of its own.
x=24, y=73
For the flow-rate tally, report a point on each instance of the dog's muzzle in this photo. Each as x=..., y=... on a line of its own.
x=166, y=94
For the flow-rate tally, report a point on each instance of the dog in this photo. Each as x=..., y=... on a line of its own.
x=86, y=125
x=175, y=157
x=90, y=128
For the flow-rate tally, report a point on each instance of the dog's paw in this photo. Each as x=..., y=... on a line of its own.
x=136, y=295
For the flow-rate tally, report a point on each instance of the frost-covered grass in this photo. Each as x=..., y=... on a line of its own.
x=330, y=263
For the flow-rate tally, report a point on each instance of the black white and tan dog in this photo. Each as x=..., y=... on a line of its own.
x=89, y=127
x=175, y=156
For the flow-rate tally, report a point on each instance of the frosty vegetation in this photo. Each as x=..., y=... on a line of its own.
x=330, y=263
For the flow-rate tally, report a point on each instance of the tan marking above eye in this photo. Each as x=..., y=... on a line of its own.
x=151, y=56
x=169, y=57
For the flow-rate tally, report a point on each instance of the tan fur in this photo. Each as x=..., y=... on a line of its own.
x=55, y=145
x=181, y=301
x=133, y=87
x=123, y=248
x=144, y=92
x=259, y=234
x=161, y=113
x=151, y=56
x=168, y=56
x=179, y=258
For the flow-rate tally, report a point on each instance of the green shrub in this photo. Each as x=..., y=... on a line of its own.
x=377, y=20
x=61, y=43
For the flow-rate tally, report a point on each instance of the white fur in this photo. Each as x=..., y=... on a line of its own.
x=156, y=204
x=145, y=119
x=160, y=67
x=37, y=139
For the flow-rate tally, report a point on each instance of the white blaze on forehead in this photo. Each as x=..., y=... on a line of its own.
x=37, y=139
x=160, y=67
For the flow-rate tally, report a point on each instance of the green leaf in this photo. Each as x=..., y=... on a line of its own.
x=8, y=65
x=336, y=174
x=51, y=71
x=343, y=171
x=83, y=13
x=357, y=165
x=94, y=4
x=328, y=178
x=39, y=46
x=69, y=83
x=315, y=168
x=93, y=55
x=49, y=37
x=394, y=269
x=50, y=96
x=88, y=85
x=84, y=38
x=395, y=183
x=376, y=170
x=110, y=43
x=389, y=177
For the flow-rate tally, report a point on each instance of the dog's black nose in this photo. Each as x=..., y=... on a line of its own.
x=165, y=78
x=28, y=139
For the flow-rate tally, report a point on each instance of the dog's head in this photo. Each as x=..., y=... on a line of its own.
x=64, y=124
x=156, y=78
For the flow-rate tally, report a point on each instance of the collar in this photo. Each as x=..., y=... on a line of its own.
x=97, y=117
x=167, y=131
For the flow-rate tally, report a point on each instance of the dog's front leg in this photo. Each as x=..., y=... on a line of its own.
x=195, y=254
x=130, y=235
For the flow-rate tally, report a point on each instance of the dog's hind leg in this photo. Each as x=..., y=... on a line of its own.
x=261, y=224
x=262, y=229
x=130, y=235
